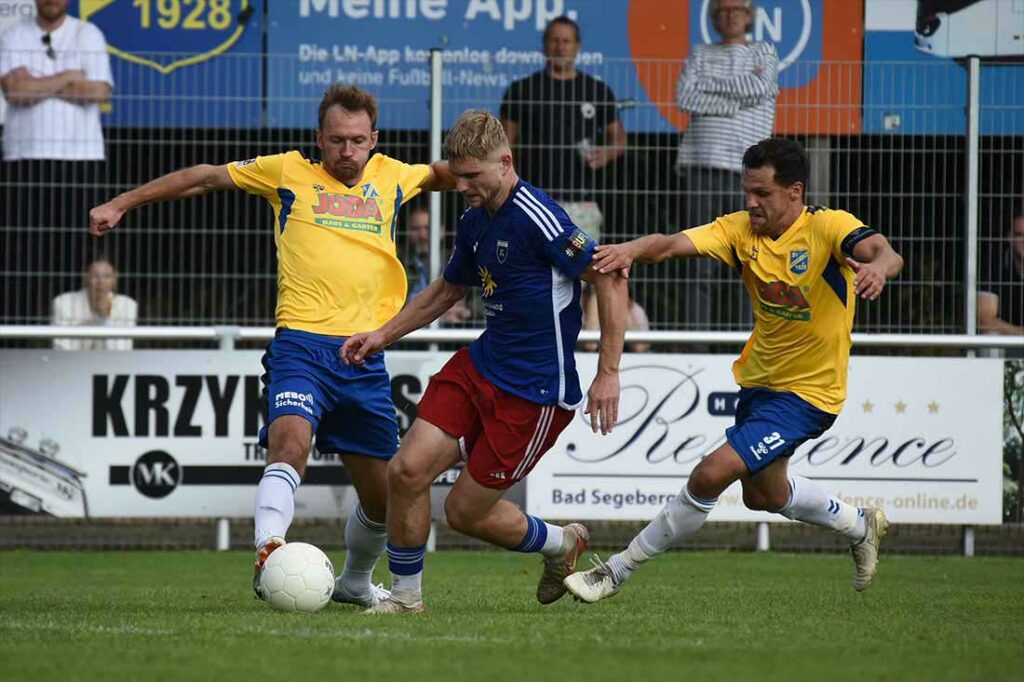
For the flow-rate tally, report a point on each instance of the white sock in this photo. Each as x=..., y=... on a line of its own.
x=681, y=518
x=553, y=544
x=275, y=501
x=365, y=541
x=410, y=586
x=811, y=504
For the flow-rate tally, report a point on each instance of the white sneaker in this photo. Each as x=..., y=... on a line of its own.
x=394, y=605
x=262, y=552
x=594, y=585
x=865, y=552
x=375, y=595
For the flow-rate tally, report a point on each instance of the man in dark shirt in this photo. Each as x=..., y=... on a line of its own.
x=564, y=127
x=1001, y=289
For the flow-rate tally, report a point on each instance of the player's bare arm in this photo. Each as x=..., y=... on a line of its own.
x=189, y=182
x=654, y=248
x=440, y=178
x=612, y=294
x=874, y=262
x=430, y=304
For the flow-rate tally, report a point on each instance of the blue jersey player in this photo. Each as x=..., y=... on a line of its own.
x=501, y=403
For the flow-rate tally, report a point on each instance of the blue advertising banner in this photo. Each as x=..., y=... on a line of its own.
x=915, y=79
x=182, y=63
x=383, y=45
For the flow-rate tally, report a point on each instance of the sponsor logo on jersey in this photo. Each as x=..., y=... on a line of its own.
x=487, y=282
x=798, y=261
x=348, y=212
x=783, y=300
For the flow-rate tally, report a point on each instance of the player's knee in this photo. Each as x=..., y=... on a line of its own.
x=290, y=451
x=404, y=473
x=704, y=483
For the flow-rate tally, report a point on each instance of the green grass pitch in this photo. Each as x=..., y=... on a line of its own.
x=685, y=616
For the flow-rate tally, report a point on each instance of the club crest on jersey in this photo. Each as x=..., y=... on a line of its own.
x=502, y=251
x=369, y=192
x=798, y=261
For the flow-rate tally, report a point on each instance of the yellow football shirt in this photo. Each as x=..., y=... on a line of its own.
x=338, y=272
x=803, y=299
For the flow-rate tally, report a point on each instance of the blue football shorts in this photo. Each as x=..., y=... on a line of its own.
x=349, y=407
x=772, y=424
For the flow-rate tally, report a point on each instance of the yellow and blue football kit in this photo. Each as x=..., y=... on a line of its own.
x=338, y=275
x=793, y=368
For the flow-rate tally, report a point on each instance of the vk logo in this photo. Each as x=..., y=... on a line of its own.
x=156, y=474
x=794, y=26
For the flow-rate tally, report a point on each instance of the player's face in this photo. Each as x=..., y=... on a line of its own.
x=345, y=142
x=100, y=278
x=769, y=203
x=480, y=181
x=561, y=47
x=732, y=19
x=51, y=10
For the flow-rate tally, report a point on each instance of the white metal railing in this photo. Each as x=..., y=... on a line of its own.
x=227, y=336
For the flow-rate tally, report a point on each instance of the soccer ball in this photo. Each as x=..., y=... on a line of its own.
x=297, y=577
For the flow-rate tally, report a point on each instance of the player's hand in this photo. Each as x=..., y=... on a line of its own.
x=609, y=257
x=360, y=346
x=103, y=219
x=869, y=280
x=603, y=402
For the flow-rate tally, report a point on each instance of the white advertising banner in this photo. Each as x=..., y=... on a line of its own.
x=157, y=433
x=921, y=438
x=173, y=433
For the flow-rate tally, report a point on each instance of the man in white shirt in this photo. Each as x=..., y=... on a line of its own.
x=96, y=305
x=54, y=74
x=729, y=90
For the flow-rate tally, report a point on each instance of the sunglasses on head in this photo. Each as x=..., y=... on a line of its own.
x=48, y=41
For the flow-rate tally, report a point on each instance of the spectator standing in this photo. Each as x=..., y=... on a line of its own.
x=729, y=90
x=564, y=126
x=97, y=304
x=417, y=267
x=54, y=74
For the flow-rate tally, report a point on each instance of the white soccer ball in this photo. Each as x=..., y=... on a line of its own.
x=297, y=577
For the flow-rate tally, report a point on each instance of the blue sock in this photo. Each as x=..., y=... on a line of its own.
x=536, y=535
x=406, y=564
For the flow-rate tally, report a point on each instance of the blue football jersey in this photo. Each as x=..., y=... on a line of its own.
x=527, y=260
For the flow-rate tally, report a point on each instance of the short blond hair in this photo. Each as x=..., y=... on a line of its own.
x=476, y=135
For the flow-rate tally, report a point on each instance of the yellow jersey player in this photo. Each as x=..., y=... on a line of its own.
x=334, y=227
x=803, y=268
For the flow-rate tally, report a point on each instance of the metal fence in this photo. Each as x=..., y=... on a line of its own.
x=210, y=261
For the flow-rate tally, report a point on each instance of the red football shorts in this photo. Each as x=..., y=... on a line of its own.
x=502, y=436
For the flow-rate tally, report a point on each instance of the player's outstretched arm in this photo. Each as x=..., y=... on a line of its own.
x=612, y=293
x=654, y=248
x=430, y=304
x=189, y=182
x=874, y=262
x=440, y=178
